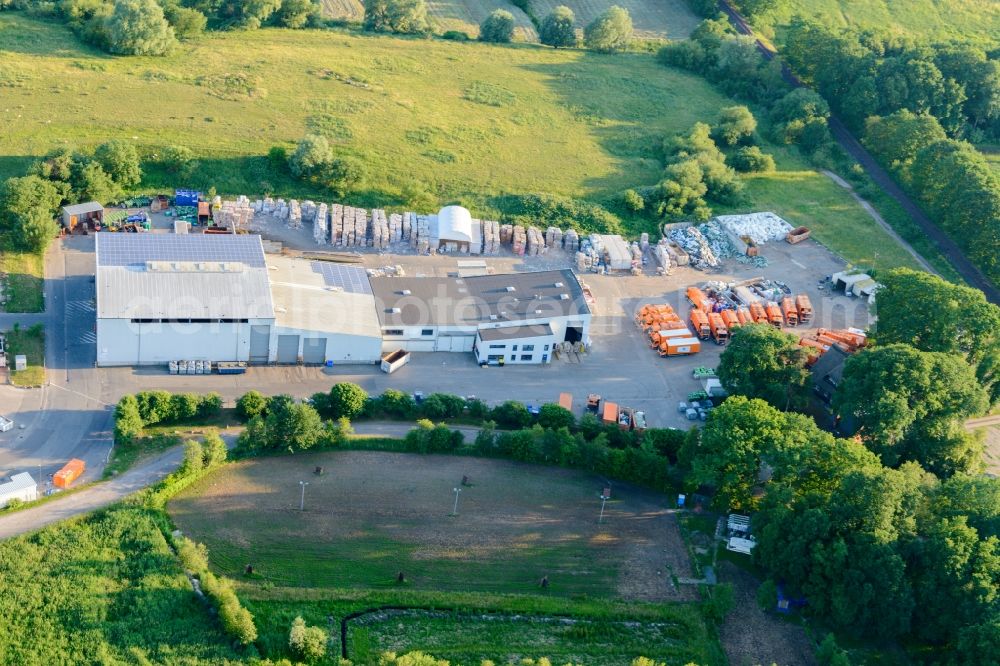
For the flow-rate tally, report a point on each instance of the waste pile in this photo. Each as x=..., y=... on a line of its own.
x=707, y=244
x=759, y=227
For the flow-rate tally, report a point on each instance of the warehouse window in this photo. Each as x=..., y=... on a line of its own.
x=427, y=331
x=546, y=348
x=528, y=348
x=526, y=357
x=393, y=331
x=514, y=348
x=498, y=346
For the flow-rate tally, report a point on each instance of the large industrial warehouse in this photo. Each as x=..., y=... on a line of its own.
x=219, y=298
x=197, y=297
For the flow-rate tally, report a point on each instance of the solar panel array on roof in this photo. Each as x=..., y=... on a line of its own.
x=133, y=249
x=351, y=279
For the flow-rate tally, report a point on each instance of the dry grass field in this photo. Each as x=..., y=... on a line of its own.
x=372, y=515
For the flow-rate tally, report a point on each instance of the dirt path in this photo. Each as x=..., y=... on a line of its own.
x=875, y=215
x=751, y=637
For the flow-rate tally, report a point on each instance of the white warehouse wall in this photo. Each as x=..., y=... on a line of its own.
x=340, y=347
x=120, y=342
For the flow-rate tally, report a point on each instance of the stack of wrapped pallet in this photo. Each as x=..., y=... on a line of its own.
x=644, y=241
x=584, y=261
x=408, y=223
x=554, y=238
x=491, y=237
x=321, y=231
x=506, y=234
x=662, y=256
x=347, y=233
x=423, y=233
x=294, y=214
x=571, y=241
x=308, y=209
x=380, y=229
x=395, y=228
x=636, y=253
x=361, y=227
x=336, y=224
x=519, y=240
x=536, y=242
x=234, y=214
x=280, y=209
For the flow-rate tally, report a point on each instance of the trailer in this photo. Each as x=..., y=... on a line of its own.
x=639, y=421
x=393, y=361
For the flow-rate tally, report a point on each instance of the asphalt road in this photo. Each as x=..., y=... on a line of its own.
x=144, y=474
x=853, y=147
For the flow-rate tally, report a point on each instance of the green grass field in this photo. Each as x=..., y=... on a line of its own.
x=22, y=281
x=435, y=122
x=978, y=20
x=374, y=514
x=31, y=343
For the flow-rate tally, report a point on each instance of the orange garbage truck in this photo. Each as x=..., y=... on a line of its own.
x=805, y=308
x=758, y=313
x=730, y=319
x=719, y=331
x=774, y=314
x=698, y=299
x=789, y=310
x=699, y=322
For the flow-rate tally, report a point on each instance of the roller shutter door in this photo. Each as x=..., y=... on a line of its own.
x=260, y=340
x=288, y=349
x=314, y=351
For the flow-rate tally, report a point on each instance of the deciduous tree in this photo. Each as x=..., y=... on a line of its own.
x=557, y=28
x=498, y=27
x=138, y=27
x=762, y=362
x=610, y=32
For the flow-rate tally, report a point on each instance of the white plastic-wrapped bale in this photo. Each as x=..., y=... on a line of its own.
x=662, y=255
x=308, y=209
x=636, y=253
x=536, y=242
x=644, y=241
x=395, y=228
x=294, y=214
x=321, y=231
x=407, y=228
x=571, y=241
x=761, y=227
x=476, y=244
x=361, y=227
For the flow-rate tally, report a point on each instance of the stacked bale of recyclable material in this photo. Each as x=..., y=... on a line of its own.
x=519, y=240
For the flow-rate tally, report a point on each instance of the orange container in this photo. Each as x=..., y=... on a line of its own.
x=757, y=312
x=566, y=401
x=610, y=412
x=69, y=473
x=744, y=316
x=698, y=299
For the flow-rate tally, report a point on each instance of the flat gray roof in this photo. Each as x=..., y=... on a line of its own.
x=515, y=332
x=475, y=300
x=87, y=207
x=169, y=276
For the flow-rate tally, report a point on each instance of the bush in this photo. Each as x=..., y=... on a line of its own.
x=430, y=438
x=210, y=405
x=633, y=201
x=559, y=211
x=308, y=643
x=718, y=602
x=251, y=404
x=138, y=27
x=442, y=406
x=511, y=414
x=456, y=36
x=178, y=160
x=735, y=125
x=194, y=457
x=610, y=32
x=557, y=28
x=312, y=157
x=187, y=23
x=751, y=159
x=396, y=404
x=128, y=422
x=398, y=16
x=553, y=416
x=121, y=161
x=184, y=406
x=498, y=27
x=347, y=399
x=213, y=449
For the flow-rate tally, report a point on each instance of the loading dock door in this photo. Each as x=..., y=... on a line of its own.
x=288, y=349
x=574, y=333
x=314, y=351
x=260, y=340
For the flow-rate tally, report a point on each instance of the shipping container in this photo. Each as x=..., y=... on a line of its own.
x=681, y=347
x=393, y=361
x=69, y=473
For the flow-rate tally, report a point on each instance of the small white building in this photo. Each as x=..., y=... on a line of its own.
x=20, y=487
x=485, y=314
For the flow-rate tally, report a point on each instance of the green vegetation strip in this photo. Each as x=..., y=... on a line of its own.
x=31, y=343
x=22, y=281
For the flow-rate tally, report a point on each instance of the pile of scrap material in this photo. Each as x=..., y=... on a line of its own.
x=706, y=244
x=759, y=227
x=847, y=340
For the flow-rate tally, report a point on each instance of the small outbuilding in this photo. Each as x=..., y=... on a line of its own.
x=454, y=229
x=21, y=487
x=87, y=214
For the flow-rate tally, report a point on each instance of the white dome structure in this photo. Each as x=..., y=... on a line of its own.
x=454, y=224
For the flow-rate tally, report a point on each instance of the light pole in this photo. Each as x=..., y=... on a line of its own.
x=302, y=499
x=454, y=511
x=605, y=496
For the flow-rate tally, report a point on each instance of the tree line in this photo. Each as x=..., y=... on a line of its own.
x=889, y=532
x=919, y=107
